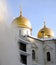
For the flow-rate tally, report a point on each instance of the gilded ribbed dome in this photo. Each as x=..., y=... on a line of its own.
x=45, y=33
x=22, y=21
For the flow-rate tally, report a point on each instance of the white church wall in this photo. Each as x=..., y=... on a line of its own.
x=29, y=57
x=40, y=47
x=34, y=48
x=49, y=46
x=39, y=53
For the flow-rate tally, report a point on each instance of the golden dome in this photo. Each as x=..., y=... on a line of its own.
x=45, y=32
x=22, y=22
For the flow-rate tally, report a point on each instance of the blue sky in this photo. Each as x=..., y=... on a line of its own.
x=35, y=11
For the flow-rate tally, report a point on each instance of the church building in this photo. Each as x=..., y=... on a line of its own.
x=32, y=50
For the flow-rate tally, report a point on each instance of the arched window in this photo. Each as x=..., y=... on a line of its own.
x=33, y=54
x=48, y=56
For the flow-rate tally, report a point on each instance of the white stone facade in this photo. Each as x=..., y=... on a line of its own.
x=40, y=46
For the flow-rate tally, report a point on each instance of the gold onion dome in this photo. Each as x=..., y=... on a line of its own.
x=22, y=22
x=45, y=32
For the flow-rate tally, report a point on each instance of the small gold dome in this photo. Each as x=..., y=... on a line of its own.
x=45, y=33
x=22, y=22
